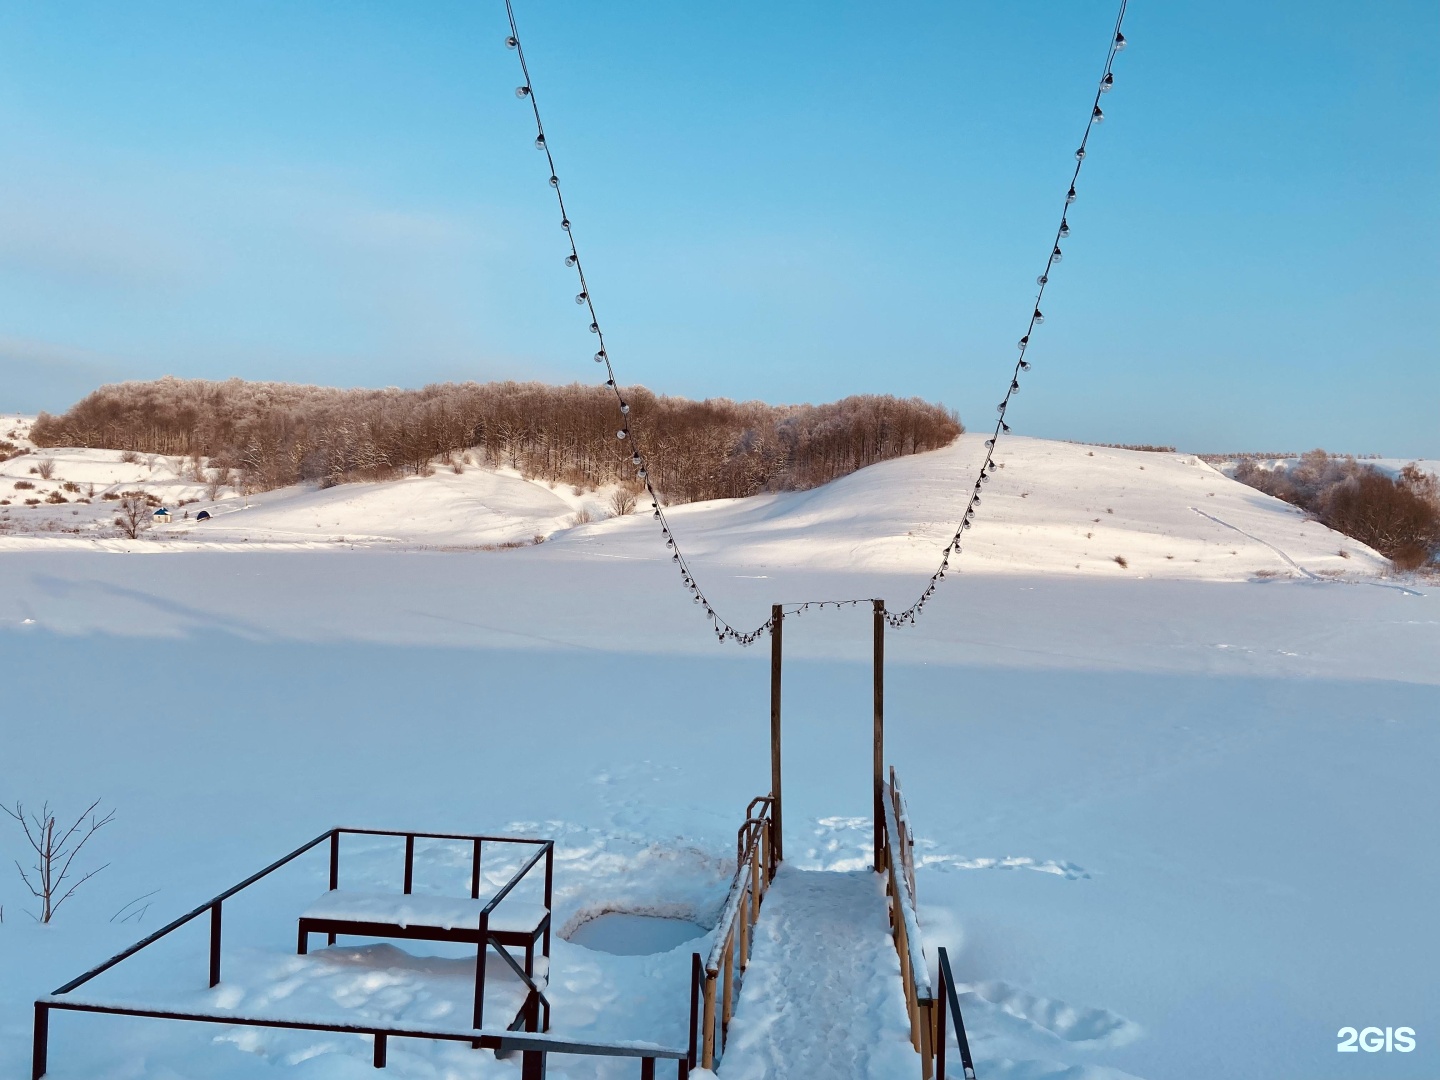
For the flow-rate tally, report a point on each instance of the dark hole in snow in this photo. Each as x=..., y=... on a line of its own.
x=626, y=934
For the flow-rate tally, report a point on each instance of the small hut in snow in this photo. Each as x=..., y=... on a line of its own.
x=161, y=516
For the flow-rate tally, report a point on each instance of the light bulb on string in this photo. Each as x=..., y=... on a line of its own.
x=1024, y=341
x=1064, y=228
x=1056, y=255
x=594, y=328
x=621, y=433
x=600, y=357
x=554, y=180
x=625, y=408
x=1080, y=154
x=1070, y=195
x=581, y=297
x=512, y=42
x=1107, y=83
x=522, y=92
x=565, y=223
x=1097, y=117
x=1043, y=280
x=1119, y=41
x=1039, y=317
x=540, y=141
x=572, y=260
x=1024, y=365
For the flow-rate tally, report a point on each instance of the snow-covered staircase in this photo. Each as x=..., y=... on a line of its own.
x=822, y=997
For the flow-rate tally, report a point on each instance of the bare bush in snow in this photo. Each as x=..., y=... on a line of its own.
x=46, y=468
x=132, y=516
x=622, y=502
x=55, y=851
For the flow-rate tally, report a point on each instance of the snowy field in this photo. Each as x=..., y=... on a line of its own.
x=1177, y=817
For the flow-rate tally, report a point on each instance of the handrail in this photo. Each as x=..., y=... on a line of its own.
x=515, y=878
x=183, y=919
x=909, y=944
x=947, y=994
x=443, y=836
x=754, y=869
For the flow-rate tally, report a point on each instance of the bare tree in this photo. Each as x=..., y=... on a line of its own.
x=622, y=502
x=217, y=479
x=56, y=853
x=46, y=468
x=133, y=516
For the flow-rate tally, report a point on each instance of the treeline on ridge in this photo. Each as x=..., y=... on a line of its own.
x=275, y=434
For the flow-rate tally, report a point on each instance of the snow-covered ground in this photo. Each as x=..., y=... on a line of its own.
x=1176, y=818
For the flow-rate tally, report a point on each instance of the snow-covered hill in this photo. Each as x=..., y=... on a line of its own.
x=1053, y=507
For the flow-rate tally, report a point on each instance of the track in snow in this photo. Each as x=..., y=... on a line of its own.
x=822, y=999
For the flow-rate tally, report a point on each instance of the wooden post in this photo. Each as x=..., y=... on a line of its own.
x=727, y=987
x=745, y=930
x=926, y=1010
x=777, y=618
x=879, y=735
x=707, y=1034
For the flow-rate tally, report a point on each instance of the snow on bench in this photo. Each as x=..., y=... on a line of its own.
x=440, y=913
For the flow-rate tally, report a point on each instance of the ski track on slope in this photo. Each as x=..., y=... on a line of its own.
x=822, y=998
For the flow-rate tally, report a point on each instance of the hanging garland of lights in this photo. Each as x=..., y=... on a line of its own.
x=625, y=435
x=987, y=467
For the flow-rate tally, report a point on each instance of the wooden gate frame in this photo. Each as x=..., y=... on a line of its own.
x=777, y=622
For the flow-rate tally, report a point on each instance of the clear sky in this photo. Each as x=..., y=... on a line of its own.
x=792, y=202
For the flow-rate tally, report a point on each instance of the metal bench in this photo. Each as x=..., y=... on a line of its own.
x=427, y=918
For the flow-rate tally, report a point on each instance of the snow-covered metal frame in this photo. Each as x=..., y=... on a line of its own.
x=534, y=1046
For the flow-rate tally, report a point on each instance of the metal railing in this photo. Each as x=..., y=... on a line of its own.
x=533, y=1045
x=948, y=996
x=899, y=859
x=714, y=982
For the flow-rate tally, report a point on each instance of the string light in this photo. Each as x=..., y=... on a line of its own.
x=1107, y=82
x=723, y=630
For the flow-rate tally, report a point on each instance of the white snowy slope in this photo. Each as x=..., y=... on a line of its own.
x=1053, y=507
x=1174, y=818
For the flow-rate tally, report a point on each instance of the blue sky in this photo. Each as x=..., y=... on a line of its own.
x=789, y=202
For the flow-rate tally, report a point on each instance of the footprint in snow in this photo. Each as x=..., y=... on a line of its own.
x=1076, y=1024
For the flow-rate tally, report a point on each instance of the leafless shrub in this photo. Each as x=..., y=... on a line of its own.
x=580, y=517
x=1397, y=516
x=217, y=479
x=1122, y=561
x=622, y=502
x=130, y=457
x=46, y=468
x=133, y=516
x=457, y=464
x=24, y=485
x=537, y=539
x=55, y=854
x=71, y=486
